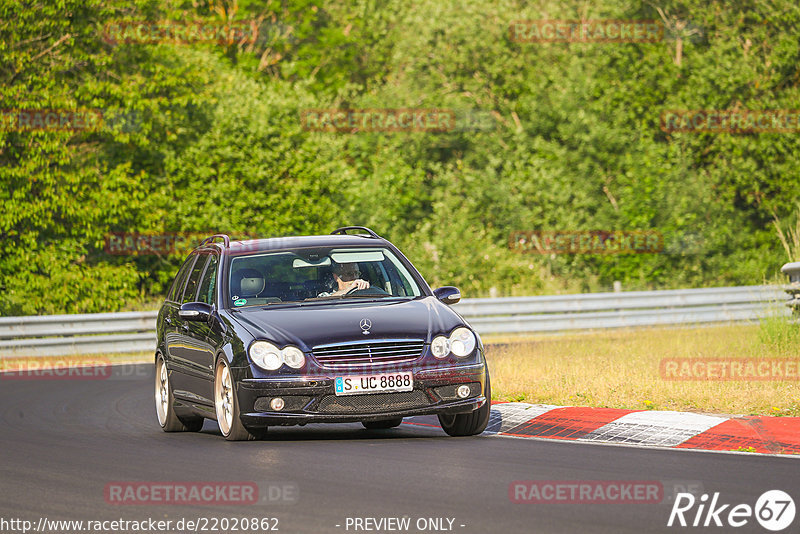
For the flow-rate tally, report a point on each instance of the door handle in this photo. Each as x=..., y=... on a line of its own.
x=185, y=327
x=168, y=320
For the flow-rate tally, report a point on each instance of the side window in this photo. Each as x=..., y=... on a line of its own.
x=399, y=283
x=208, y=283
x=190, y=293
x=180, y=279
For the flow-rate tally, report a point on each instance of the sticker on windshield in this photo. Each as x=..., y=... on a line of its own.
x=240, y=302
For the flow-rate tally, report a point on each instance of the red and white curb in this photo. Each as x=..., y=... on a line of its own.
x=683, y=430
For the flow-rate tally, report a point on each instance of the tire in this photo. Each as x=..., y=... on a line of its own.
x=165, y=410
x=227, y=407
x=382, y=425
x=469, y=424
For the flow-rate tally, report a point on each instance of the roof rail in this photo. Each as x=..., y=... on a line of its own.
x=213, y=237
x=343, y=230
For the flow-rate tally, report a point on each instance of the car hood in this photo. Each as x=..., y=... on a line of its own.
x=317, y=324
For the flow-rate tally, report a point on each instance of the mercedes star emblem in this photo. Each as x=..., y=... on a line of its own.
x=365, y=325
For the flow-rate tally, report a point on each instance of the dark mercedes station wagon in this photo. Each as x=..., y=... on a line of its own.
x=313, y=329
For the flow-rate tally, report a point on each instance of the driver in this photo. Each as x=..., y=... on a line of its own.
x=346, y=276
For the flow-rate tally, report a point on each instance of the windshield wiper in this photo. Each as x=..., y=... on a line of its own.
x=372, y=297
x=279, y=304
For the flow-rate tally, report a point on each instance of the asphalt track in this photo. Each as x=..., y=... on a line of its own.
x=63, y=441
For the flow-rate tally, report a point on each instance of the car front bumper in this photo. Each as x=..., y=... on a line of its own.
x=312, y=399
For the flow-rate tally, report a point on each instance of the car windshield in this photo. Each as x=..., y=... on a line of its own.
x=308, y=275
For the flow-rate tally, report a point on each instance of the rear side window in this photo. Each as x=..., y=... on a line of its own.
x=180, y=279
x=208, y=283
x=190, y=293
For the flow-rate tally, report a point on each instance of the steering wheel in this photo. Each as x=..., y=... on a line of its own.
x=371, y=290
x=352, y=289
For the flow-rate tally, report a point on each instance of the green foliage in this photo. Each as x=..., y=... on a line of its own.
x=207, y=137
x=780, y=333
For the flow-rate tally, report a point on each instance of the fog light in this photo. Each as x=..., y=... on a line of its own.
x=276, y=404
x=463, y=392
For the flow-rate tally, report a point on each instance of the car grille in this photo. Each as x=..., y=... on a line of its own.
x=373, y=352
x=373, y=402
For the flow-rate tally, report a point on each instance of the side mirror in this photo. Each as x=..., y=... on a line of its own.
x=448, y=294
x=195, y=311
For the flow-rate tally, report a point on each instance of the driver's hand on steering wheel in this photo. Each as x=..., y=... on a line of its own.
x=358, y=284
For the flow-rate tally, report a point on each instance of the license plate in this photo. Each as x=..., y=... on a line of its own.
x=354, y=385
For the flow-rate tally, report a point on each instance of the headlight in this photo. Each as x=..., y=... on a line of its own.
x=266, y=355
x=440, y=347
x=462, y=342
x=293, y=357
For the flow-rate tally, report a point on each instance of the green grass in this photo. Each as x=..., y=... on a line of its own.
x=620, y=369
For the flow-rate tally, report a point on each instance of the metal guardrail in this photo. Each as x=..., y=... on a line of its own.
x=60, y=335
x=622, y=310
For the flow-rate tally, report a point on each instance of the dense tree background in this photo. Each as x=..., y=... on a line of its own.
x=565, y=136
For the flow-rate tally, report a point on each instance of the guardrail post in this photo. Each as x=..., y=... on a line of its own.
x=792, y=270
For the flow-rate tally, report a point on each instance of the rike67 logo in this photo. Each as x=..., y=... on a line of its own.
x=774, y=510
